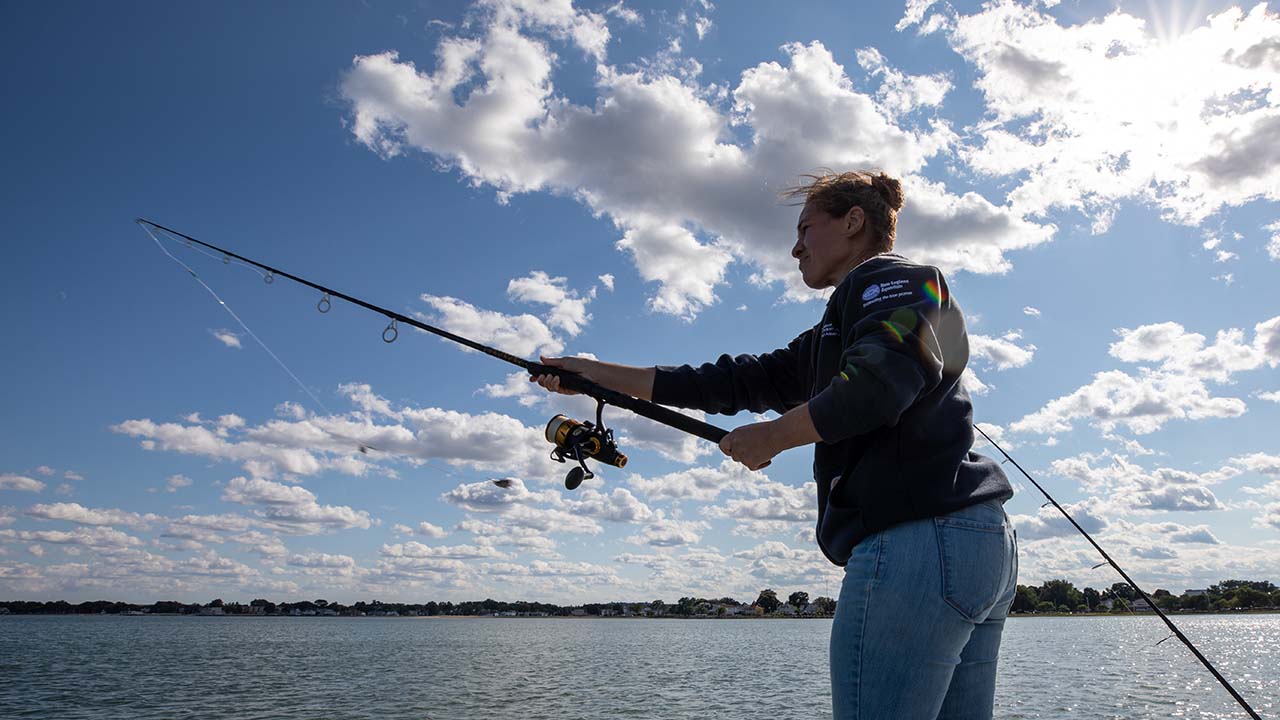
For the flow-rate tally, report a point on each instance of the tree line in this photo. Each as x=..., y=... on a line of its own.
x=1061, y=596
x=1056, y=596
x=768, y=602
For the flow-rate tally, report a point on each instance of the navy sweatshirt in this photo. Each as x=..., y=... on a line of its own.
x=881, y=374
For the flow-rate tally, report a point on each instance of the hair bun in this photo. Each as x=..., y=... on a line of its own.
x=890, y=189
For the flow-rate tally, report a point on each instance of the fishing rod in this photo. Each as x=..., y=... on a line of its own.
x=576, y=440
x=1109, y=561
x=582, y=440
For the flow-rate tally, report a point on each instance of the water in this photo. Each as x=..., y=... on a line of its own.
x=436, y=668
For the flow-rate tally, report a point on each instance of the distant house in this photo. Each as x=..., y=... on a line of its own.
x=1106, y=603
x=1195, y=593
x=4, y=611
x=786, y=609
x=211, y=611
x=1140, y=605
x=578, y=612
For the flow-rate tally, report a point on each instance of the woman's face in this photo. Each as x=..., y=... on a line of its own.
x=826, y=245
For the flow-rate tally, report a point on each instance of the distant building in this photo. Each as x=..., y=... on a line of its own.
x=211, y=611
x=1195, y=593
x=1140, y=605
x=4, y=611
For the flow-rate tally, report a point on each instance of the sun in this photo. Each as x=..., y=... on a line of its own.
x=1171, y=19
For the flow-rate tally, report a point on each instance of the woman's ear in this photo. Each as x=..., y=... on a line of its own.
x=854, y=220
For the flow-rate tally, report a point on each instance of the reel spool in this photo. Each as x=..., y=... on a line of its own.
x=578, y=440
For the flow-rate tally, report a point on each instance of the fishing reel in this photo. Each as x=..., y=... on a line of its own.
x=578, y=440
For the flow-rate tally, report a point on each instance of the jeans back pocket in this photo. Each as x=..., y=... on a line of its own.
x=975, y=564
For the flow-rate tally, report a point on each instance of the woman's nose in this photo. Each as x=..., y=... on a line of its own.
x=797, y=249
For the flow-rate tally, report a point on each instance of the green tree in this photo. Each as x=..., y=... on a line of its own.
x=1026, y=599
x=1092, y=598
x=1061, y=592
x=1123, y=591
x=798, y=599
x=1250, y=597
x=1195, y=602
x=826, y=605
x=768, y=600
x=658, y=607
x=1045, y=606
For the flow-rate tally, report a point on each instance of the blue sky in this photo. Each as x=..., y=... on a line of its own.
x=1097, y=180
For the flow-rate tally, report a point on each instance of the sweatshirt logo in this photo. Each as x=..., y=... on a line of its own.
x=871, y=292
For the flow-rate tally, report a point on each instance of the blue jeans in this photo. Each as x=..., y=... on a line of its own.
x=918, y=623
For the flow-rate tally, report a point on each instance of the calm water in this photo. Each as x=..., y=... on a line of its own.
x=389, y=668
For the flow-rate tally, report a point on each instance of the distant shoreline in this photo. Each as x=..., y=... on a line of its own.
x=621, y=617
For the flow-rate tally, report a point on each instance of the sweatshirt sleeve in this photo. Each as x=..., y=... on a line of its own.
x=771, y=381
x=892, y=354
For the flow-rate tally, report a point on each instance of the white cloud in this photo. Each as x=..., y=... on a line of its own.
x=669, y=532
x=521, y=335
x=624, y=13
x=445, y=552
x=76, y=513
x=1048, y=522
x=228, y=338
x=45, y=470
x=1002, y=352
x=616, y=506
x=696, y=483
x=778, y=510
x=689, y=200
x=568, y=311
x=426, y=529
x=72, y=475
x=1175, y=389
x=1259, y=463
x=1132, y=488
x=1085, y=116
x=291, y=508
x=9, y=481
x=914, y=15
x=1273, y=244
x=901, y=93
x=607, y=280
x=1033, y=312
x=323, y=560
x=99, y=538
x=174, y=482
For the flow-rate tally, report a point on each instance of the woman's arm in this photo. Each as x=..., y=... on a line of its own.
x=628, y=379
x=755, y=445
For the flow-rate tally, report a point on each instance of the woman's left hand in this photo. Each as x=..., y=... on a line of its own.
x=752, y=445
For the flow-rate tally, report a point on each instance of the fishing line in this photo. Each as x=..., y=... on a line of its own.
x=363, y=447
x=242, y=324
x=1109, y=561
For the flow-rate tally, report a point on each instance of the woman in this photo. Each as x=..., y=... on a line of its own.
x=915, y=518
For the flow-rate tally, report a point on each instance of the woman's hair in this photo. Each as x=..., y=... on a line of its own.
x=879, y=196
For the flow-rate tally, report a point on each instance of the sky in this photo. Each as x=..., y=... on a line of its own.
x=1099, y=181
